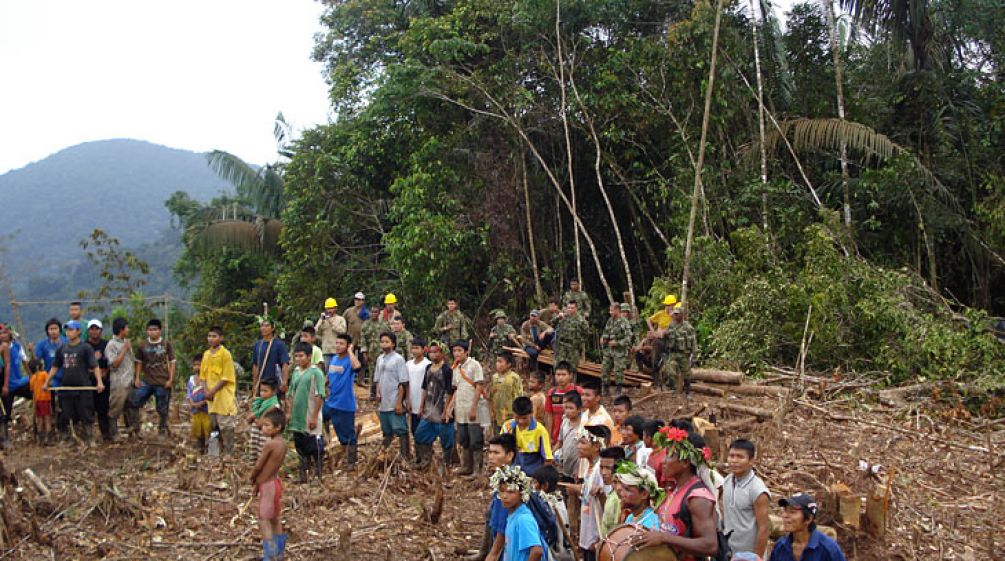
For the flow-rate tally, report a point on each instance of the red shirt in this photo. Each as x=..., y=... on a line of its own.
x=553, y=405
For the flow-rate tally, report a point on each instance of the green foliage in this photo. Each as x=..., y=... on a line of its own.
x=121, y=271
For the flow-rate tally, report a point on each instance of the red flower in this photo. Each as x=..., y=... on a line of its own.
x=706, y=453
x=675, y=434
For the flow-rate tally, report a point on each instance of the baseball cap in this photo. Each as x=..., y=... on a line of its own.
x=801, y=500
x=359, y=296
x=625, y=307
x=535, y=312
x=95, y=323
x=72, y=324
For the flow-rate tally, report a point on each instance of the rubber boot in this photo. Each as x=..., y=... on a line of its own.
x=403, y=448
x=302, y=470
x=386, y=440
x=3, y=435
x=281, y=545
x=423, y=455
x=476, y=461
x=466, y=460
x=319, y=465
x=486, y=546
x=351, y=456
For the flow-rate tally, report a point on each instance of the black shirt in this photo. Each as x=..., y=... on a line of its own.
x=76, y=361
x=438, y=384
x=99, y=354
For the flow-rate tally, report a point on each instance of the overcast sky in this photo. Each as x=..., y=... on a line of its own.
x=188, y=74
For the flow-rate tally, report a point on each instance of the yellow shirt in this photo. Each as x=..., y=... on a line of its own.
x=661, y=319
x=535, y=439
x=217, y=367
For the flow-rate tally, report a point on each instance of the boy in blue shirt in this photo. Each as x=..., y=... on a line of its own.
x=523, y=538
x=340, y=407
x=802, y=540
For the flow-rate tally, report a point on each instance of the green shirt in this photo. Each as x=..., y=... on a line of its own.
x=458, y=329
x=305, y=385
x=620, y=331
x=612, y=514
x=505, y=388
x=499, y=337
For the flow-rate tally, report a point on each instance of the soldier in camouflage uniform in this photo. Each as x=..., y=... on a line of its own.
x=615, y=343
x=680, y=344
x=404, y=337
x=502, y=334
x=572, y=332
x=369, y=345
x=452, y=324
x=582, y=299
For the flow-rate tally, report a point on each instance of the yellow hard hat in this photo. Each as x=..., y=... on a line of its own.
x=331, y=303
x=678, y=308
x=670, y=300
x=390, y=298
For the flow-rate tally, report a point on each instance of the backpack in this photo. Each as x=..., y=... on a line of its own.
x=545, y=519
x=722, y=540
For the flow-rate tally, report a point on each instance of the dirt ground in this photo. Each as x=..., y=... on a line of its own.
x=156, y=499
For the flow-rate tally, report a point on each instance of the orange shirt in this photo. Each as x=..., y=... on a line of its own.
x=37, y=383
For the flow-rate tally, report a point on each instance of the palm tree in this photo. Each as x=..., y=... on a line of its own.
x=907, y=21
x=251, y=221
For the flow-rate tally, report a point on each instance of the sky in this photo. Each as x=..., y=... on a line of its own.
x=196, y=75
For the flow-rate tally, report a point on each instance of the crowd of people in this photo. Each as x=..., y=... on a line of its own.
x=571, y=478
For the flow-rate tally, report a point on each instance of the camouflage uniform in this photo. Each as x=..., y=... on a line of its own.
x=680, y=343
x=404, y=344
x=458, y=323
x=499, y=337
x=618, y=330
x=571, y=335
x=369, y=342
x=582, y=300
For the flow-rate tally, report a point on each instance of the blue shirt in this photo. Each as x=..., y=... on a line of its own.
x=45, y=350
x=497, y=516
x=649, y=519
x=341, y=378
x=270, y=361
x=17, y=378
x=521, y=535
x=819, y=548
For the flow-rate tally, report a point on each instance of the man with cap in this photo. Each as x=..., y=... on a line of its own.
x=679, y=343
x=355, y=316
x=615, y=341
x=576, y=294
x=535, y=336
x=452, y=324
x=571, y=335
x=502, y=334
x=649, y=351
x=94, y=339
x=76, y=359
x=328, y=327
x=802, y=539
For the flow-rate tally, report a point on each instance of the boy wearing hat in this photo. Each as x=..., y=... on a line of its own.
x=101, y=403
x=328, y=326
x=155, y=368
x=77, y=361
x=802, y=540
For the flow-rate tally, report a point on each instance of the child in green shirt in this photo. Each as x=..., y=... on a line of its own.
x=307, y=390
x=267, y=401
x=506, y=386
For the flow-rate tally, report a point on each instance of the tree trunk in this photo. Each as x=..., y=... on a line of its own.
x=563, y=111
x=603, y=187
x=828, y=7
x=754, y=22
x=538, y=290
x=701, y=155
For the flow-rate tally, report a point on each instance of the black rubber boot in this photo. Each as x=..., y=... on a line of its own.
x=352, y=455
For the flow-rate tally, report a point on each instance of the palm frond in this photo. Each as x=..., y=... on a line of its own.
x=260, y=235
x=233, y=170
x=827, y=135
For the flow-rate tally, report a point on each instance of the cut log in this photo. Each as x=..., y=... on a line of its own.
x=717, y=376
x=749, y=389
x=875, y=511
x=707, y=390
x=709, y=432
x=761, y=414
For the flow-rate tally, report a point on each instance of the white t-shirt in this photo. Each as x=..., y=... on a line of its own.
x=591, y=508
x=416, y=374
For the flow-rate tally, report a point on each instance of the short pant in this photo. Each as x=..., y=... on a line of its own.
x=270, y=496
x=43, y=408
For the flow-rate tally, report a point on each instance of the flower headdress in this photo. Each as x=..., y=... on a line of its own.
x=590, y=437
x=511, y=476
x=675, y=441
x=629, y=473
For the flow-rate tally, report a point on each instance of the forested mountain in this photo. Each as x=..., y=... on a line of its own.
x=117, y=185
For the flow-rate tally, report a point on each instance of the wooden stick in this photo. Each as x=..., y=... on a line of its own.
x=37, y=482
x=73, y=388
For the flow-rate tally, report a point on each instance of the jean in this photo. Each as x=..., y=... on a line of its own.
x=161, y=394
x=428, y=432
x=392, y=424
x=344, y=423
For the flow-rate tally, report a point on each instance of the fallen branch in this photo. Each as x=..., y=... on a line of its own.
x=37, y=483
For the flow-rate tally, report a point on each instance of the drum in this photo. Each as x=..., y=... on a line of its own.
x=617, y=546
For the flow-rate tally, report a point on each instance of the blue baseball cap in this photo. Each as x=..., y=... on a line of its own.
x=801, y=501
x=72, y=324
